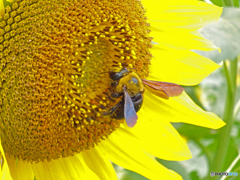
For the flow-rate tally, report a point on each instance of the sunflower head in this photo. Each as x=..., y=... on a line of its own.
x=53, y=85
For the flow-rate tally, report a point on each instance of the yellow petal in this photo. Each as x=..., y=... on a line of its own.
x=99, y=164
x=180, y=66
x=20, y=170
x=2, y=9
x=4, y=173
x=180, y=109
x=184, y=15
x=181, y=40
x=157, y=137
x=64, y=169
x=126, y=153
x=11, y=1
x=89, y=174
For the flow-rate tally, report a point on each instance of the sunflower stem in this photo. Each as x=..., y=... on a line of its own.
x=237, y=109
x=223, y=143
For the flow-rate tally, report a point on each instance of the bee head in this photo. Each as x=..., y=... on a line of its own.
x=132, y=82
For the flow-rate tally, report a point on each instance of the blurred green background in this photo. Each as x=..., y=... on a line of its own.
x=213, y=150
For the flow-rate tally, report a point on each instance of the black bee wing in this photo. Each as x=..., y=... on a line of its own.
x=129, y=111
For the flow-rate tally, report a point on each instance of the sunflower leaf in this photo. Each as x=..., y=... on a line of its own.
x=175, y=166
x=225, y=34
x=217, y=2
x=194, y=132
x=220, y=3
x=231, y=154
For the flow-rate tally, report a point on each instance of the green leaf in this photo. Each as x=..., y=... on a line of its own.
x=226, y=3
x=233, y=177
x=130, y=175
x=124, y=174
x=236, y=3
x=225, y=34
x=236, y=168
x=194, y=175
x=175, y=166
x=217, y=2
x=192, y=93
x=231, y=154
x=196, y=132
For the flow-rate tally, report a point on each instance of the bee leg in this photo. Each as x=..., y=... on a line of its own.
x=111, y=110
x=114, y=84
x=102, y=107
x=90, y=118
x=109, y=97
x=115, y=95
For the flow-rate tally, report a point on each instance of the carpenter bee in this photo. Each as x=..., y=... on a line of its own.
x=129, y=85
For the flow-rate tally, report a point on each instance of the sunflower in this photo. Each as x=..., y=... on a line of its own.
x=55, y=88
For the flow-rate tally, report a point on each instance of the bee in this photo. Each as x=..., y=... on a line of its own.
x=129, y=85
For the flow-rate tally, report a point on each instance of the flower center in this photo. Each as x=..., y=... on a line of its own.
x=54, y=82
